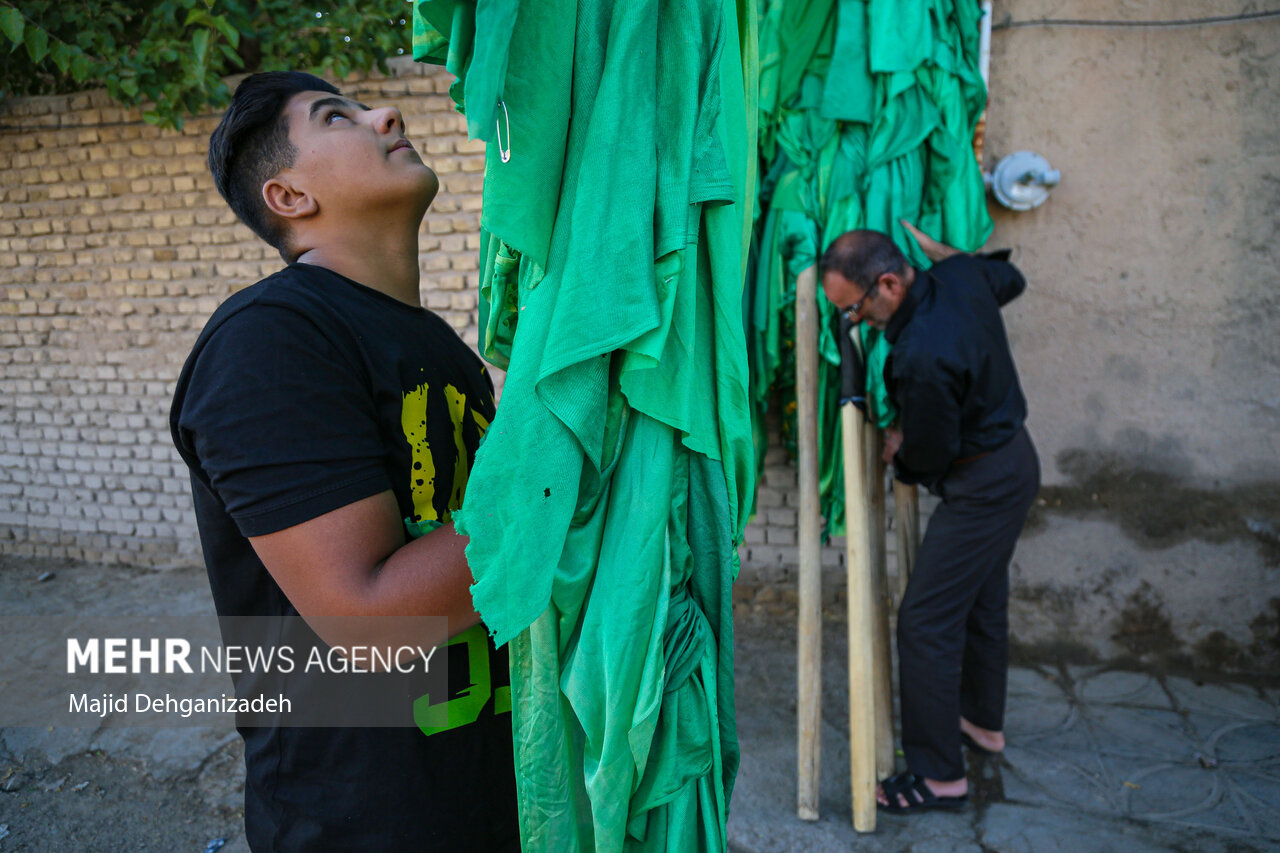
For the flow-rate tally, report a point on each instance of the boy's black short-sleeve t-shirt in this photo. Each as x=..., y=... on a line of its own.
x=304, y=393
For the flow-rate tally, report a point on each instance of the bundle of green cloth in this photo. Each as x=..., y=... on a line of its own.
x=611, y=490
x=867, y=116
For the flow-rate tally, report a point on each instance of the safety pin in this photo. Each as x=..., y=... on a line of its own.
x=505, y=154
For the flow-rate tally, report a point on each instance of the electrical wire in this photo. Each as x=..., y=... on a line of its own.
x=1177, y=22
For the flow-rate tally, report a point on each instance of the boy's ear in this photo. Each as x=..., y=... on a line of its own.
x=288, y=201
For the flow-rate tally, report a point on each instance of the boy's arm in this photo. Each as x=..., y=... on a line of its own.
x=357, y=582
x=278, y=421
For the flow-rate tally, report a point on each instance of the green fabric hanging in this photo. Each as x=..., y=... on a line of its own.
x=867, y=115
x=612, y=488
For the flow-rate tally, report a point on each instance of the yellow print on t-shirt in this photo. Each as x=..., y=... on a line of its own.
x=445, y=714
x=413, y=421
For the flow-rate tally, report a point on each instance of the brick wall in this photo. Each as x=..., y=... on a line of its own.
x=769, y=553
x=114, y=250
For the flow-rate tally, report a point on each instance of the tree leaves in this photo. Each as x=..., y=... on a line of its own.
x=12, y=24
x=80, y=67
x=200, y=44
x=37, y=42
x=170, y=56
x=201, y=17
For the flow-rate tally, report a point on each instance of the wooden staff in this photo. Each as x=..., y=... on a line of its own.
x=809, y=639
x=906, y=508
x=862, y=646
x=880, y=654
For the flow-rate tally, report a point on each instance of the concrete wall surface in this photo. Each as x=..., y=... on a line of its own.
x=1149, y=337
x=1146, y=340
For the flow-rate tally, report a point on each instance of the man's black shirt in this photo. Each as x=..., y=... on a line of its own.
x=950, y=373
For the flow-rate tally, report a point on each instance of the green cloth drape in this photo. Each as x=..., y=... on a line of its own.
x=867, y=115
x=612, y=488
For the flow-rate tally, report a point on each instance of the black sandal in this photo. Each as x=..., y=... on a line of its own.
x=917, y=795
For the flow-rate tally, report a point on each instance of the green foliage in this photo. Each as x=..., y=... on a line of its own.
x=174, y=53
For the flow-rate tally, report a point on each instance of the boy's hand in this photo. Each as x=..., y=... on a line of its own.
x=933, y=250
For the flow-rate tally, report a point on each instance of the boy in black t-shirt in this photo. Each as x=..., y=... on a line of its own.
x=329, y=423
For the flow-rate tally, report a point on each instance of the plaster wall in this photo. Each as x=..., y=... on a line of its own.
x=1148, y=341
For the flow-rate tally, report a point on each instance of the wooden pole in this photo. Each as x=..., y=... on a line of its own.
x=880, y=654
x=862, y=707
x=809, y=621
x=906, y=508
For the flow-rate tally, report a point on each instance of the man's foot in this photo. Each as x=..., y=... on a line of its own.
x=908, y=792
x=980, y=739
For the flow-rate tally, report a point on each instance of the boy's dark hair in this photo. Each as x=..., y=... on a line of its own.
x=863, y=256
x=251, y=145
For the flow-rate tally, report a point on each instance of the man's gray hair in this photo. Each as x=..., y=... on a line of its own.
x=862, y=256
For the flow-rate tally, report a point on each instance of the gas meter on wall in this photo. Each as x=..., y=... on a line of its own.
x=1022, y=180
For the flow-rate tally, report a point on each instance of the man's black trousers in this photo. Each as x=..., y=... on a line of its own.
x=953, y=625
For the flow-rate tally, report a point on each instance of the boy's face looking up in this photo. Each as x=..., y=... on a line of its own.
x=353, y=161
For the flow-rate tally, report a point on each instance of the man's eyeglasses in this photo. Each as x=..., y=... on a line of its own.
x=851, y=313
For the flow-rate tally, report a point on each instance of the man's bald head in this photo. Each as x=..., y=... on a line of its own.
x=862, y=256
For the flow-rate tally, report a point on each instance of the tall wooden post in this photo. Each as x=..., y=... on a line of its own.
x=880, y=654
x=906, y=518
x=861, y=599
x=809, y=639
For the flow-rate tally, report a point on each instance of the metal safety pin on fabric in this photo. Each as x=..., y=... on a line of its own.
x=504, y=153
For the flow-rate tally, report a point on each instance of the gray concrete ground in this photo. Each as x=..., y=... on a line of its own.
x=1099, y=759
